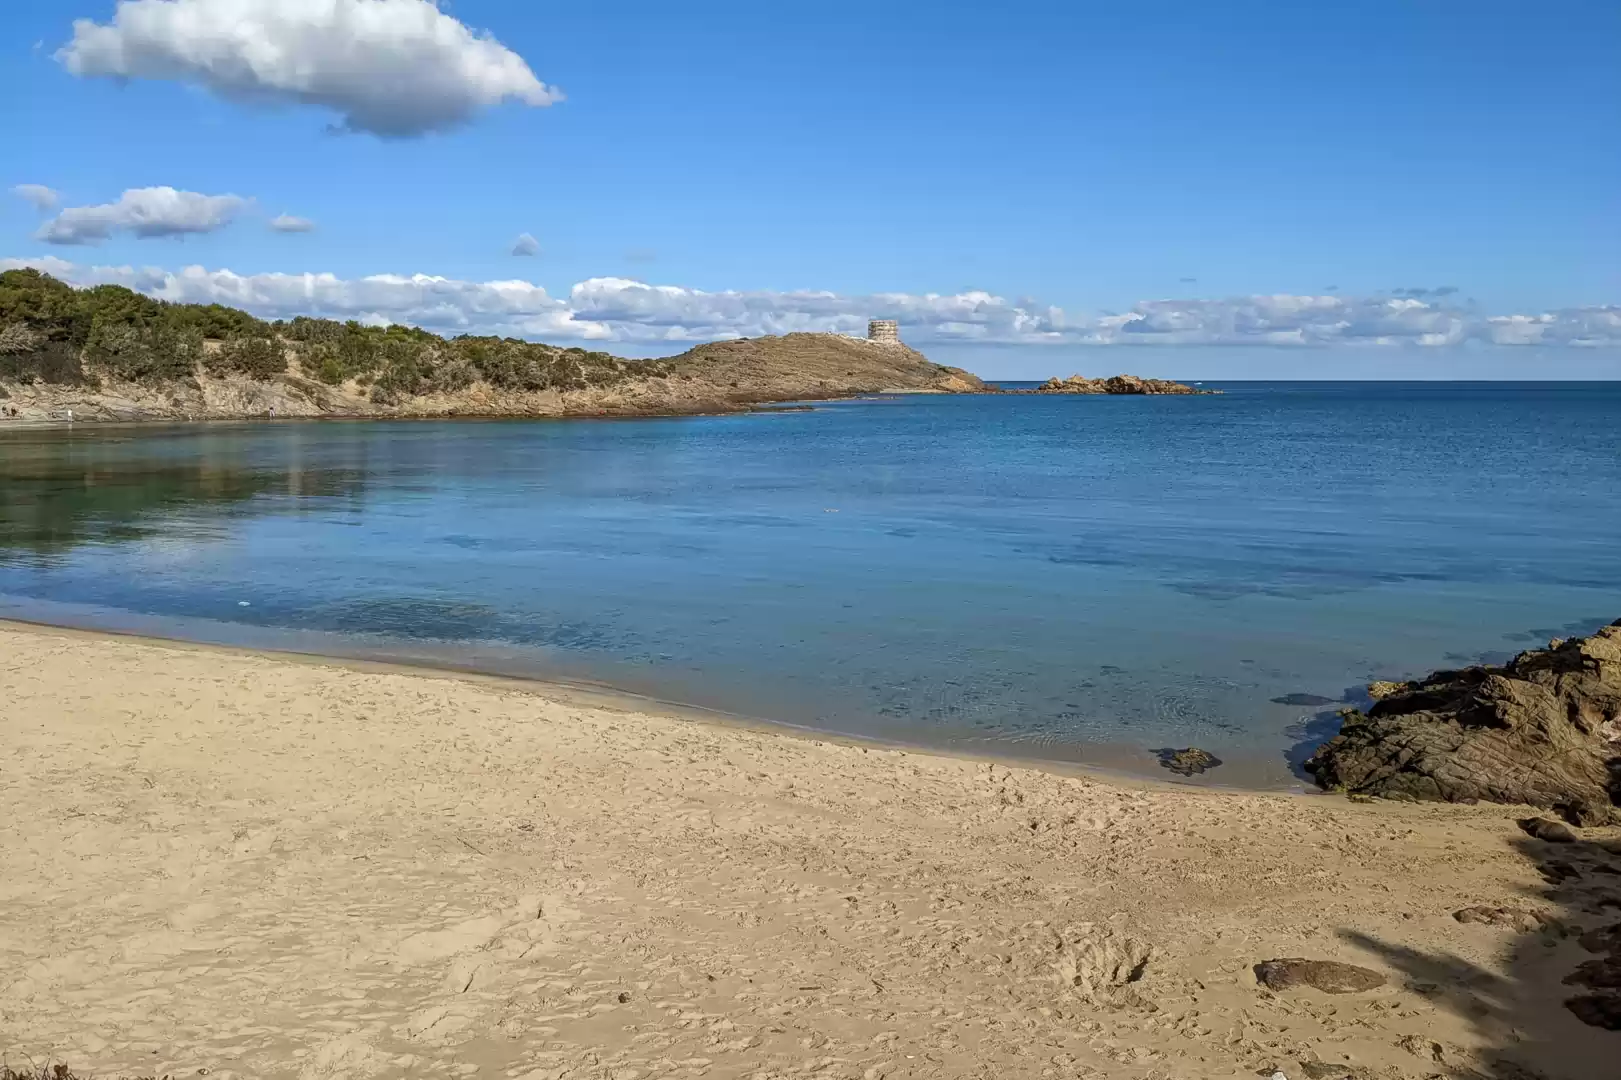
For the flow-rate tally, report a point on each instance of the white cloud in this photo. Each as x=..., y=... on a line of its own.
x=1584, y=326
x=395, y=68
x=289, y=224
x=142, y=212
x=676, y=313
x=1288, y=319
x=43, y=198
x=526, y=245
x=619, y=309
x=61, y=269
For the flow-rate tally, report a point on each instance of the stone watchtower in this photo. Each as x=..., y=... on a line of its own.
x=883, y=332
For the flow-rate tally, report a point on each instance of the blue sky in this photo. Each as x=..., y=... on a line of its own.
x=1084, y=157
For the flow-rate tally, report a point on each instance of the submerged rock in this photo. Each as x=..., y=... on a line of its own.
x=1307, y=700
x=1189, y=761
x=1329, y=976
x=1543, y=729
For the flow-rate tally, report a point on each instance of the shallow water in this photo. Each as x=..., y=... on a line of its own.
x=1033, y=574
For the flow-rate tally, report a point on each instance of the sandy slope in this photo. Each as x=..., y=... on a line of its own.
x=273, y=868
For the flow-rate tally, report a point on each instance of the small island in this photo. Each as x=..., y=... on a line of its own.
x=1116, y=384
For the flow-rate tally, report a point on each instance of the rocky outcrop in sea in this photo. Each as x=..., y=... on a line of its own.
x=1543, y=729
x=1115, y=384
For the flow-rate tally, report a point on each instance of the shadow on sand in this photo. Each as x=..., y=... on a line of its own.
x=1556, y=1012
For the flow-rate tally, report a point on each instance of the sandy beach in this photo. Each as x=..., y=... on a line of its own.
x=257, y=866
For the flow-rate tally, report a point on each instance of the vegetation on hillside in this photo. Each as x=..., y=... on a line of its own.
x=53, y=333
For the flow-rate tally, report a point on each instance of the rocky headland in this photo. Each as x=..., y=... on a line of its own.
x=1543, y=730
x=109, y=353
x=728, y=376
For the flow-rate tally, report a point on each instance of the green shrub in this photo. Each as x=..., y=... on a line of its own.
x=310, y=330
x=258, y=358
x=44, y=325
x=151, y=353
x=53, y=362
x=326, y=367
x=44, y=305
x=218, y=322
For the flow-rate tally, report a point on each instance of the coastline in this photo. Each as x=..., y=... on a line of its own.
x=1119, y=763
x=134, y=417
x=272, y=866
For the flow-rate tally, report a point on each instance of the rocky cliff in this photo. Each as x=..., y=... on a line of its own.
x=1544, y=729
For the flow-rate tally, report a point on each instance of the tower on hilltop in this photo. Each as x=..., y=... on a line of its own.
x=884, y=331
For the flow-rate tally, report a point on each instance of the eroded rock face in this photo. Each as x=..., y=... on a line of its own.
x=1544, y=729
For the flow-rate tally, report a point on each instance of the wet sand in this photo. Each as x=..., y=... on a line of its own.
x=266, y=866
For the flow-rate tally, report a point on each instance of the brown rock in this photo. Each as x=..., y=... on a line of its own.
x=1544, y=729
x=1382, y=689
x=1188, y=761
x=1554, y=832
x=1514, y=918
x=1332, y=1070
x=1329, y=976
x=1587, y=814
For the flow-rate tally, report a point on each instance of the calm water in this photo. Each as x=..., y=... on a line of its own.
x=1043, y=575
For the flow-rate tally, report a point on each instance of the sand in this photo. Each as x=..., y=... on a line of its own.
x=264, y=867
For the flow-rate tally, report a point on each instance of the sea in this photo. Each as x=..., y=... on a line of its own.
x=1063, y=579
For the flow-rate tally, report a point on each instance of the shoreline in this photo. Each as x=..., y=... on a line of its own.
x=1110, y=762
x=729, y=407
x=771, y=405
x=273, y=867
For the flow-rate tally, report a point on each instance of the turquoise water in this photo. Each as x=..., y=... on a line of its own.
x=1042, y=575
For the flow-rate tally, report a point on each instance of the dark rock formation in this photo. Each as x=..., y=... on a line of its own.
x=1189, y=761
x=1116, y=384
x=1544, y=729
x=1329, y=976
x=1587, y=813
x=1602, y=1007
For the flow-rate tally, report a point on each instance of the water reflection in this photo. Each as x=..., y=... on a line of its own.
x=59, y=493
